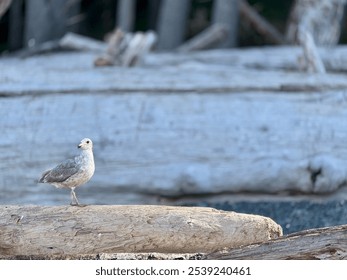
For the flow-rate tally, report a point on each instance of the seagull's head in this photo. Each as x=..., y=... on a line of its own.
x=86, y=144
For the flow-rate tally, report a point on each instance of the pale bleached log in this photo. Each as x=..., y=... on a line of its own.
x=81, y=43
x=117, y=43
x=126, y=49
x=208, y=38
x=321, y=18
x=70, y=41
x=315, y=23
x=140, y=45
x=317, y=244
x=35, y=230
x=311, y=60
x=209, y=135
x=266, y=58
x=201, y=78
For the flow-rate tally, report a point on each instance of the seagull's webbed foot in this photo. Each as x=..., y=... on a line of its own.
x=78, y=204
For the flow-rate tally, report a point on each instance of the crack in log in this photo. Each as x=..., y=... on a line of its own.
x=315, y=173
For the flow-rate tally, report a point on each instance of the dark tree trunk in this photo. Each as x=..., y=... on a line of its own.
x=126, y=15
x=226, y=12
x=16, y=25
x=172, y=21
x=153, y=11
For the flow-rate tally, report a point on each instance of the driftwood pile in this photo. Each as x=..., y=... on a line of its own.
x=126, y=49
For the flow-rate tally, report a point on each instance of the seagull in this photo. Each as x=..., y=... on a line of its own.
x=73, y=173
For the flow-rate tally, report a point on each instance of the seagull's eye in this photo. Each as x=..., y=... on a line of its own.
x=88, y=142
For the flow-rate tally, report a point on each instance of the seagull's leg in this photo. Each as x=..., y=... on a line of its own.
x=74, y=200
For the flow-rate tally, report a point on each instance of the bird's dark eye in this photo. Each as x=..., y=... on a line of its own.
x=88, y=142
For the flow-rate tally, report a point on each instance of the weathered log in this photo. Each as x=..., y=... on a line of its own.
x=208, y=38
x=267, y=58
x=311, y=60
x=319, y=244
x=207, y=136
x=323, y=244
x=35, y=230
x=126, y=49
x=117, y=43
x=140, y=45
x=321, y=18
x=305, y=29
x=81, y=43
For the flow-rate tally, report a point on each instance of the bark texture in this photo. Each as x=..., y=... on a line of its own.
x=314, y=244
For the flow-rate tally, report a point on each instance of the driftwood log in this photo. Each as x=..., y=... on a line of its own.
x=265, y=59
x=35, y=230
x=126, y=49
x=209, y=38
x=321, y=18
x=217, y=131
x=311, y=61
x=69, y=226
x=315, y=23
x=78, y=42
x=319, y=244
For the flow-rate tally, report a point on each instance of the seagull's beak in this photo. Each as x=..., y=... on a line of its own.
x=79, y=146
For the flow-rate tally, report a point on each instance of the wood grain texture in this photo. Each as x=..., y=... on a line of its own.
x=264, y=59
x=186, y=129
x=218, y=130
x=319, y=244
x=30, y=230
x=179, y=144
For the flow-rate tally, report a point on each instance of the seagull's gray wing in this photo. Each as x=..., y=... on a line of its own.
x=61, y=172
